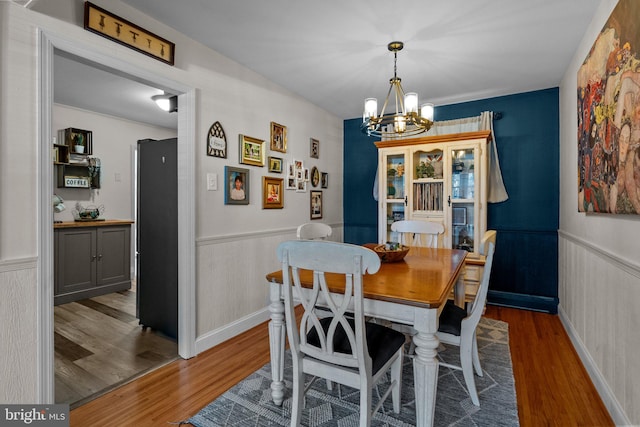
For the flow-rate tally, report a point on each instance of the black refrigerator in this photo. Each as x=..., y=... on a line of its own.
x=157, y=235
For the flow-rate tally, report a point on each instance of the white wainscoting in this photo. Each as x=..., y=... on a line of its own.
x=232, y=293
x=19, y=331
x=600, y=309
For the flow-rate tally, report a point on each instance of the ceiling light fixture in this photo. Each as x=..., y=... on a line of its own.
x=406, y=121
x=166, y=102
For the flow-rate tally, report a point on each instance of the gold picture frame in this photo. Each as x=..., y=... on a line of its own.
x=278, y=138
x=272, y=193
x=251, y=151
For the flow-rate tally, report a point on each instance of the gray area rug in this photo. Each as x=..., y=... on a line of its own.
x=249, y=402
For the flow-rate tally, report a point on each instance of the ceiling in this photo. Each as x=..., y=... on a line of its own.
x=334, y=52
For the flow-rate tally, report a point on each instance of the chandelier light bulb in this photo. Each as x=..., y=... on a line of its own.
x=426, y=111
x=411, y=102
x=400, y=124
x=370, y=108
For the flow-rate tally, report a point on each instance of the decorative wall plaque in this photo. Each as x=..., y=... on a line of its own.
x=106, y=24
x=216, y=141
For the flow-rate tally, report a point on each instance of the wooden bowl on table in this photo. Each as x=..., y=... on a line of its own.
x=393, y=255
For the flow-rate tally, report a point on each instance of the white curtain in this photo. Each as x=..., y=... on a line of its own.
x=497, y=192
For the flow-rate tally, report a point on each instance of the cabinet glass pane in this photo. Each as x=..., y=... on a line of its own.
x=396, y=192
x=395, y=176
x=428, y=182
x=462, y=174
x=462, y=198
x=462, y=226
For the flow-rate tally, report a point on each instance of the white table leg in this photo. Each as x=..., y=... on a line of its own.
x=425, y=365
x=276, y=343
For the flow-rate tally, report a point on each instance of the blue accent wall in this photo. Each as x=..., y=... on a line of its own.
x=525, y=270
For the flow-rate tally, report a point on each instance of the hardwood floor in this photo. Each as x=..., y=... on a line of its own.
x=552, y=386
x=100, y=345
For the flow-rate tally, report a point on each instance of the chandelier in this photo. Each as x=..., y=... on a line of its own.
x=405, y=121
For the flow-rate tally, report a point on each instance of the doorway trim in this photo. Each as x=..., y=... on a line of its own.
x=49, y=41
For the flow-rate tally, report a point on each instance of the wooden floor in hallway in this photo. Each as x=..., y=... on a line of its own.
x=99, y=345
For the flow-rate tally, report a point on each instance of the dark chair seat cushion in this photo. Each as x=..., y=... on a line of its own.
x=451, y=319
x=382, y=342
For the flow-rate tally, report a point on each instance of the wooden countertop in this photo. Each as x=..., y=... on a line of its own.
x=105, y=223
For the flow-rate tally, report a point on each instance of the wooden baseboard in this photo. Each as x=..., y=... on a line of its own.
x=529, y=302
x=220, y=335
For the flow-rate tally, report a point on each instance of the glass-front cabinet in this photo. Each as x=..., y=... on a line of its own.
x=462, y=197
x=435, y=178
x=393, y=187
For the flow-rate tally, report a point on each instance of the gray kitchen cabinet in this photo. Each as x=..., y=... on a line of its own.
x=91, y=259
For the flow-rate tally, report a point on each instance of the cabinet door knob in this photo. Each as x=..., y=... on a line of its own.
x=99, y=257
x=93, y=258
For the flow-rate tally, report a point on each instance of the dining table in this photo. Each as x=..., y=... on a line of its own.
x=412, y=291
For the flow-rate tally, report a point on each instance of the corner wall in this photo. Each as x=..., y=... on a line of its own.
x=599, y=275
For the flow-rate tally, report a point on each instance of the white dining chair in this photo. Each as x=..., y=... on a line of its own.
x=458, y=327
x=341, y=349
x=313, y=231
x=471, y=287
x=418, y=233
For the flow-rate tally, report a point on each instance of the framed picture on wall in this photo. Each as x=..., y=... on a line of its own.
x=236, y=186
x=275, y=164
x=251, y=151
x=324, y=180
x=316, y=204
x=314, y=148
x=278, y=138
x=272, y=193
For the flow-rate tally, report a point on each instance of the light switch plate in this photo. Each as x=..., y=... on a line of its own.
x=212, y=182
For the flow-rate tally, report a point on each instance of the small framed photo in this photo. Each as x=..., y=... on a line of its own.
x=275, y=164
x=236, y=186
x=251, y=151
x=315, y=176
x=316, y=204
x=314, y=149
x=278, y=138
x=301, y=186
x=324, y=180
x=459, y=216
x=290, y=183
x=272, y=193
x=291, y=170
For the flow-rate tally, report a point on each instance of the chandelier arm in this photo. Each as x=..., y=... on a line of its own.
x=386, y=101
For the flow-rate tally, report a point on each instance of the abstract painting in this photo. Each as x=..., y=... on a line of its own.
x=609, y=117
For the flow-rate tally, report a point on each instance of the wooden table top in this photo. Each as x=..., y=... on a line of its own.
x=424, y=278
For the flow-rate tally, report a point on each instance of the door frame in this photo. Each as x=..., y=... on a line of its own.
x=48, y=41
